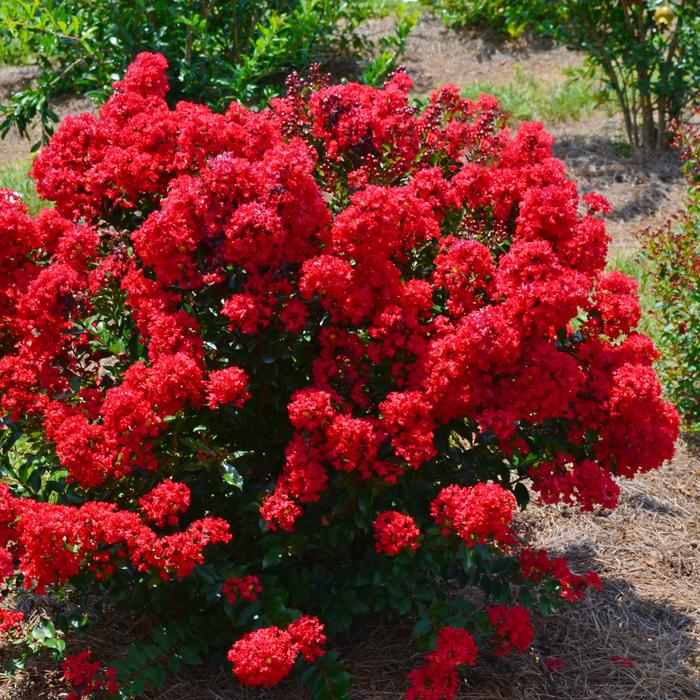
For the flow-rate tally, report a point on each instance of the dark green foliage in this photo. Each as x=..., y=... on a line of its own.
x=217, y=50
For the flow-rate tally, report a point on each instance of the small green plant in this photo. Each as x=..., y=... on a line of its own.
x=672, y=255
x=13, y=52
x=391, y=46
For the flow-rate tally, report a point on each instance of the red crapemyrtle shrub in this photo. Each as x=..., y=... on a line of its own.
x=280, y=370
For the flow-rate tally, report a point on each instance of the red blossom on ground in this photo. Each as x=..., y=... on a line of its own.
x=552, y=663
x=622, y=660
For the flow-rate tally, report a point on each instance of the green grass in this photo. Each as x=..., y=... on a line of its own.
x=15, y=176
x=629, y=264
x=526, y=98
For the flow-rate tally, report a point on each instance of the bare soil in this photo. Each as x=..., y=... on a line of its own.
x=436, y=55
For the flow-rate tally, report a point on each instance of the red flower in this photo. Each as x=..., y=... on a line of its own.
x=10, y=622
x=394, y=533
x=280, y=511
x=165, y=502
x=247, y=587
x=404, y=284
x=87, y=676
x=437, y=678
x=513, y=628
x=536, y=564
x=263, y=657
x=477, y=514
x=455, y=646
x=597, y=203
x=307, y=633
x=227, y=386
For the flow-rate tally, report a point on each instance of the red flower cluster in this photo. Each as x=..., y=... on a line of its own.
x=10, y=622
x=87, y=676
x=265, y=656
x=536, y=564
x=477, y=514
x=512, y=628
x=307, y=634
x=585, y=483
x=246, y=587
x=165, y=502
x=54, y=543
x=437, y=678
x=394, y=533
x=233, y=192
x=227, y=386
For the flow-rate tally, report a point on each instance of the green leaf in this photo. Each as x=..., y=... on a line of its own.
x=423, y=627
x=231, y=475
x=273, y=557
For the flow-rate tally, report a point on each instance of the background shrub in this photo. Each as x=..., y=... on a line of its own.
x=672, y=263
x=217, y=51
x=649, y=53
x=511, y=18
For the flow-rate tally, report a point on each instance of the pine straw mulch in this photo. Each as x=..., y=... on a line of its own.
x=648, y=555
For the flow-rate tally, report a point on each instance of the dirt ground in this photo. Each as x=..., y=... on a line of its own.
x=647, y=551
